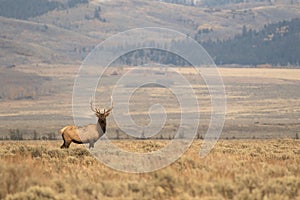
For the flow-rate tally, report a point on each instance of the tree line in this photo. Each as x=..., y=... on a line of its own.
x=17, y=134
x=276, y=44
x=24, y=9
x=225, y=2
x=146, y=56
x=214, y=3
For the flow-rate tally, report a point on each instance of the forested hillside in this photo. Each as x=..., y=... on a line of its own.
x=24, y=9
x=224, y=2
x=212, y=3
x=276, y=44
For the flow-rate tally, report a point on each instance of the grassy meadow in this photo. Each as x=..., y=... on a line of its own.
x=257, y=156
x=261, y=104
x=235, y=169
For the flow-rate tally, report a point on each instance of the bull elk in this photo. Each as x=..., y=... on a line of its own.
x=86, y=134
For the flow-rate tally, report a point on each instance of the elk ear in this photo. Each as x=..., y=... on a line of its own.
x=106, y=114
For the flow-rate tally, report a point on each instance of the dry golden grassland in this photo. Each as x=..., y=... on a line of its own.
x=261, y=103
x=235, y=169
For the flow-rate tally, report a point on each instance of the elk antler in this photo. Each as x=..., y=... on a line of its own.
x=110, y=109
x=96, y=110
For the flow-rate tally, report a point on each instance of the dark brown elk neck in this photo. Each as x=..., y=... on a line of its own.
x=102, y=124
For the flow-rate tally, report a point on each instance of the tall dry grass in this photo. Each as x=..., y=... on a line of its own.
x=235, y=169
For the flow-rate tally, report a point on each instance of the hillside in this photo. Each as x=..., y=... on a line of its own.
x=276, y=44
x=20, y=9
x=30, y=43
x=68, y=32
x=124, y=14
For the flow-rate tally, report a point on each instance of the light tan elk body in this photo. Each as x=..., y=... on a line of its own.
x=86, y=134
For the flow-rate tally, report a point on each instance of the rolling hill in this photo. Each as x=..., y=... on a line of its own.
x=65, y=34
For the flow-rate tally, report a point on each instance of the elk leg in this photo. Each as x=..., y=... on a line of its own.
x=66, y=144
x=63, y=146
x=91, y=145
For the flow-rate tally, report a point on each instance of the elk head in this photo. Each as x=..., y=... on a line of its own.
x=101, y=115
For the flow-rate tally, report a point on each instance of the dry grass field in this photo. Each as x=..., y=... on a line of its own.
x=261, y=103
x=257, y=156
x=235, y=169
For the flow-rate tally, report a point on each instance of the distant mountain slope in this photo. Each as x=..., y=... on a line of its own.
x=122, y=15
x=69, y=32
x=212, y=3
x=21, y=9
x=25, y=42
x=24, y=9
x=277, y=44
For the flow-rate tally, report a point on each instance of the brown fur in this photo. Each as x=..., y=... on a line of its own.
x=86, y=134
x=81, y=135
